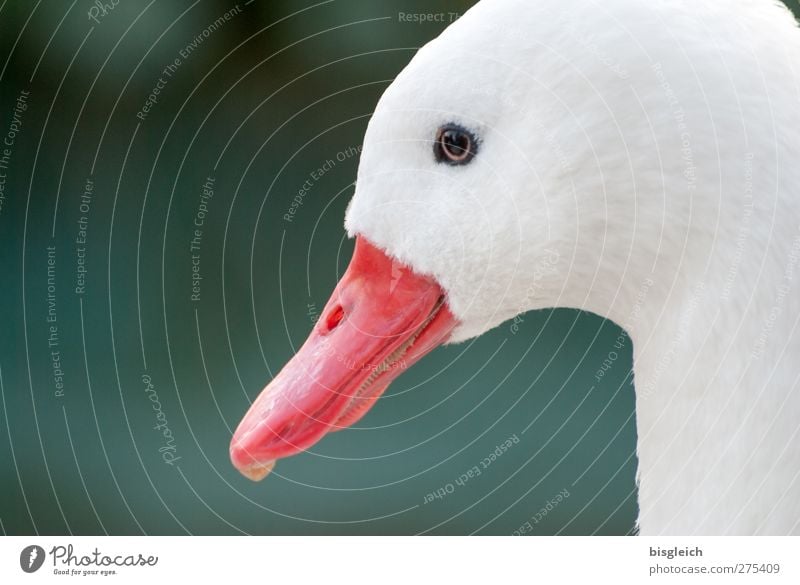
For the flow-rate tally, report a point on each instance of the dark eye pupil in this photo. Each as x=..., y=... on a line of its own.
x=454, y=145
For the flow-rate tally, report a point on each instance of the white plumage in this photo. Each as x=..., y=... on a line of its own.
x=638, y=160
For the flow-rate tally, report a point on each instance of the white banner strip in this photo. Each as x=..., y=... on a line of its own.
x=402, y=560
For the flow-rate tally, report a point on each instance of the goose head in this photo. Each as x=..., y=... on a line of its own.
x=465, y=215
x=529, y=157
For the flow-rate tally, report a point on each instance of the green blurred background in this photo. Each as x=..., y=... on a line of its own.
x=257, y=105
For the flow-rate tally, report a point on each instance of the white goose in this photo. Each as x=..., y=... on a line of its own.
x=638, y=160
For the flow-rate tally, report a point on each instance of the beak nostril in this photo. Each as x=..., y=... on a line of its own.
x=335, y=317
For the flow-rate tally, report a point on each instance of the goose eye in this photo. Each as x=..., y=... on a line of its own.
x=454, y=145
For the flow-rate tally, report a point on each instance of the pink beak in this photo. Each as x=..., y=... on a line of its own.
x=381, y=318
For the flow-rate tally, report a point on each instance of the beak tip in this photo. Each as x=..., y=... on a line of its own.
x=247, y=465
x=257, y=471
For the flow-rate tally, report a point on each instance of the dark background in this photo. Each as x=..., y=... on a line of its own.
x=258, y=105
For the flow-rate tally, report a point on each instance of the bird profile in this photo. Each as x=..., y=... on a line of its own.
x=635, y=160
